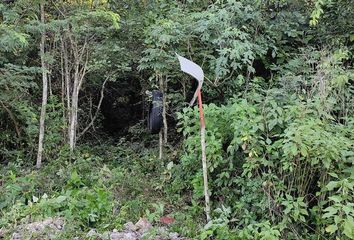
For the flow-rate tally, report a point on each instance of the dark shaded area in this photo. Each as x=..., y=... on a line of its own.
x=122, y=106
x=8, y=1
x=261, y=69
x=155, y=113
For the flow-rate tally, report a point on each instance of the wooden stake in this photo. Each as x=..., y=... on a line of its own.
x=204, y=160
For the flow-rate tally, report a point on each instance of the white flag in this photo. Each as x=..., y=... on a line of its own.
x=195, y=71
x=191, y=68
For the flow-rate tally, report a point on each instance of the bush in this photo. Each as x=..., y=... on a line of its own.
x=272, y=164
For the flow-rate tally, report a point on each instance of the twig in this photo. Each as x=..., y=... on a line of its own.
x=12, y=118
x=97, y=110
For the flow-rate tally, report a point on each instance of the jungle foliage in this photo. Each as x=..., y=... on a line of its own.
x=279, y=111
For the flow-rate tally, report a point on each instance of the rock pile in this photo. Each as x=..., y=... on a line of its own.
x=51, y=228
x=141, y=230
x=47, y=229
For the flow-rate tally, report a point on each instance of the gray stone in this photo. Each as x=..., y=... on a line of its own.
x=48, y=227
x=143, y=225
x=92, y=233
x=174, y=236
x=129, y=226
x=123, y=236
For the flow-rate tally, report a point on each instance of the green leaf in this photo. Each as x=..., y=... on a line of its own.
x=330, y=212
x=332, y=185
x=60, y=199
x=303, y=151
x=336, y=198
x=331, y=228
x=348, y=228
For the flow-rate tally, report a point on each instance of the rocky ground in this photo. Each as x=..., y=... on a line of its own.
x=46, y=229
x=141, y=230
x=50, y=229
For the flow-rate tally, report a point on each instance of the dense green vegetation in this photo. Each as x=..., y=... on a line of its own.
x=279, y=111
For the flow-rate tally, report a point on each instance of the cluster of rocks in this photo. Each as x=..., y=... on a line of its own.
x=50, y=228
x=141, y=230
x=46, y=229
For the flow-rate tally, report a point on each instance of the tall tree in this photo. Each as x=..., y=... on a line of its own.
x=44, y=91
x=83, y=35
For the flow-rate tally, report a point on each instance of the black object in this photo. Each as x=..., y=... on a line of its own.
x=155, y=114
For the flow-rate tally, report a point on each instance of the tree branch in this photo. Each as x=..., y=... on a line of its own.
x=97, y=110
x=12, y=118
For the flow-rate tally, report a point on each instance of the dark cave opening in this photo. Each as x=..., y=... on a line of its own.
x=122, y=106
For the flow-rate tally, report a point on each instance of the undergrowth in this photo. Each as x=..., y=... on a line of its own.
x=101, y=187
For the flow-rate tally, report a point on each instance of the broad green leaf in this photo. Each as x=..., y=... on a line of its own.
x=331, y=228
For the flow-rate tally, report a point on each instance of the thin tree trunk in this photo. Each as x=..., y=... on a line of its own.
x=63, y=87
x=160, y=144
x=67, y=85
x=74, y=109
x=74, y=96
x=164, y=113
x=163, y=87
x=44, y=94
x=68, y=88
x=79, y=76
x=50, y=84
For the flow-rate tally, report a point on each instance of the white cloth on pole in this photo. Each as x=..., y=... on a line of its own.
x=191, y=68
x=195, y=71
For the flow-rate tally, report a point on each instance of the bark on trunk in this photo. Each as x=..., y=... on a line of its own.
x=160, y=144
x=163, y=89
x=80, y=69
x=44, y=94
x=74, y=109
x=164, y=113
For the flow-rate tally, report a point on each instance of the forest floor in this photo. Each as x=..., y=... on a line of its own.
x=101, y=192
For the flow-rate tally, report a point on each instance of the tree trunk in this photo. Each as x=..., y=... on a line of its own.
x=44, y=94
x=74, y=109
x=160, y=144
x=80, y=69
x=67, y=84
x=163, y=89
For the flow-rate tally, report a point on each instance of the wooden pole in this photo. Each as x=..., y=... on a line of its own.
x=204, y=161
